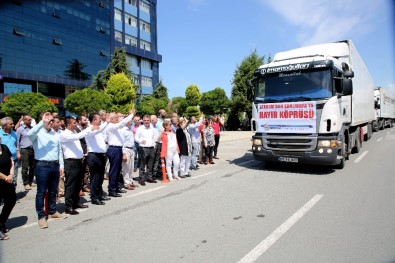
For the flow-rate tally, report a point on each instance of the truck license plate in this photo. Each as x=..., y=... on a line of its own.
x=288, y=159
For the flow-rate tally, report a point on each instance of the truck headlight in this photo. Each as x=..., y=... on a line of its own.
x=257, y=142
x=327, y=143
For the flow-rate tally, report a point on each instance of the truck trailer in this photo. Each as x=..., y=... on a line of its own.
x=384, y=103
x=312, y=105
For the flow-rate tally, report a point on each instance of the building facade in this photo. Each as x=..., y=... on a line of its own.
x=56, y=47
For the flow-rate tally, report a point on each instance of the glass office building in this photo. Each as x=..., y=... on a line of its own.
x=55, y=47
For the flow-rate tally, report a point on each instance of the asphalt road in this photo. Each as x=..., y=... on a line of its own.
x=237, y=210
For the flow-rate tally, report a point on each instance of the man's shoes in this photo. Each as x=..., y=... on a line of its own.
x=97, y=202
x=188, y=175
x=82, y=206
x=215, y=157
x=197, y=166
x=151, y=181
x=57, y=215
x=121, y=191
x=114, y=194
x=104, y=198
x=28, y=187
x=142, y=183
x=42, y=223
x=70, y=211
x=181, y=176
x=212, y=162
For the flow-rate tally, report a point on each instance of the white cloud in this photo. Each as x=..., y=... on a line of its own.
x=322, y=21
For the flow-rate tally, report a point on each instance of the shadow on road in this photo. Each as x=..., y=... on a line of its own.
x=16, y=222
x=248, y=161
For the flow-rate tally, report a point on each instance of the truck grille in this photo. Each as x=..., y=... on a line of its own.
x=289, y=143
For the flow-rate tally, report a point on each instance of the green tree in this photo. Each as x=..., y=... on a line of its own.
x=118, y=64
x=214, y=101
x=193, y=95
x=122, y=93
x=150, y=105
x=24, y=102
x=192, y=111
x=244, y=72
x=87, y=101
x=161, y=93
x=178, y=105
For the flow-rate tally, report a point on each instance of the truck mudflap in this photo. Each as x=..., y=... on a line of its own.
x=324, y=156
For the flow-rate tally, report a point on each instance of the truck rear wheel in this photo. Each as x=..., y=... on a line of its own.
x=343, y=153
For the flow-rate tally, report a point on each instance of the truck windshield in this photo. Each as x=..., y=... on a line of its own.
x=295, y=86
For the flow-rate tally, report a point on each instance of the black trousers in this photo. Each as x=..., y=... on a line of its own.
x=216, y=138
x=27, y=156
x=147, y=160
x=73, y=180
x=156, y=171
x=96, y=164
x=7, y=193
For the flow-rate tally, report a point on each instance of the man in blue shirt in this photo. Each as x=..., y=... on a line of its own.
x=9, y=138
x=49, y=166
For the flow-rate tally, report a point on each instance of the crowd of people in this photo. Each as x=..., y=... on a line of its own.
x=69, y=157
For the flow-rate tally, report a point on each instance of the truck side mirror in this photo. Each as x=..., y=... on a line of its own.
x=347, y=87
x=376, y=104
x=349, y=74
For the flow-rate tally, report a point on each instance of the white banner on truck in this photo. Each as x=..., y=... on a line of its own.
x=289, y=117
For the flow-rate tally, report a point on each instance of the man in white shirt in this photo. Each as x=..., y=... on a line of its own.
x=146, y=136
x=73, y=154
x=96, y=160
x=128, y=156
x=114, y=151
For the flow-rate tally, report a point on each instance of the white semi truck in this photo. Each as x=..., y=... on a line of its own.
x=312, y=105
x=384, y=103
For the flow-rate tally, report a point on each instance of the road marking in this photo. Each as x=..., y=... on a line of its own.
x=245, y=162
x=280, y=231
x=201, y=175
x=379, y=139
x=146, y=191
x=360, y=157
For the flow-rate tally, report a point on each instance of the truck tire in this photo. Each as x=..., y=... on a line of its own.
x=368, y=135
x=343, y=153
x=358, y=143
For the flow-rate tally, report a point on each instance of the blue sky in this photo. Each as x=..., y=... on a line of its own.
x=203, y=41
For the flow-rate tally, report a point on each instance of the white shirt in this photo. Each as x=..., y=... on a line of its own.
x=95, y=141
x=128, y=137
x=149, y=134
x=114, y=137
x=71, y=144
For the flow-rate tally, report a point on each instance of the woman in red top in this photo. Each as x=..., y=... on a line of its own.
x=216, y=124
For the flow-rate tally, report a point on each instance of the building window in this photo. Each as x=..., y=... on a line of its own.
x=136, y=80
x=145, y=26
x=102, y=4
x=103, y=53
x=144, y=6
x=118, y=36
x=145, y=45
x=130, y=40
x=18, y=32
x=130, y=20
x=132, y=61
x=57, y=41
x=131, y=2
x=145, y=64
x=118, y=14
x=146, y=81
